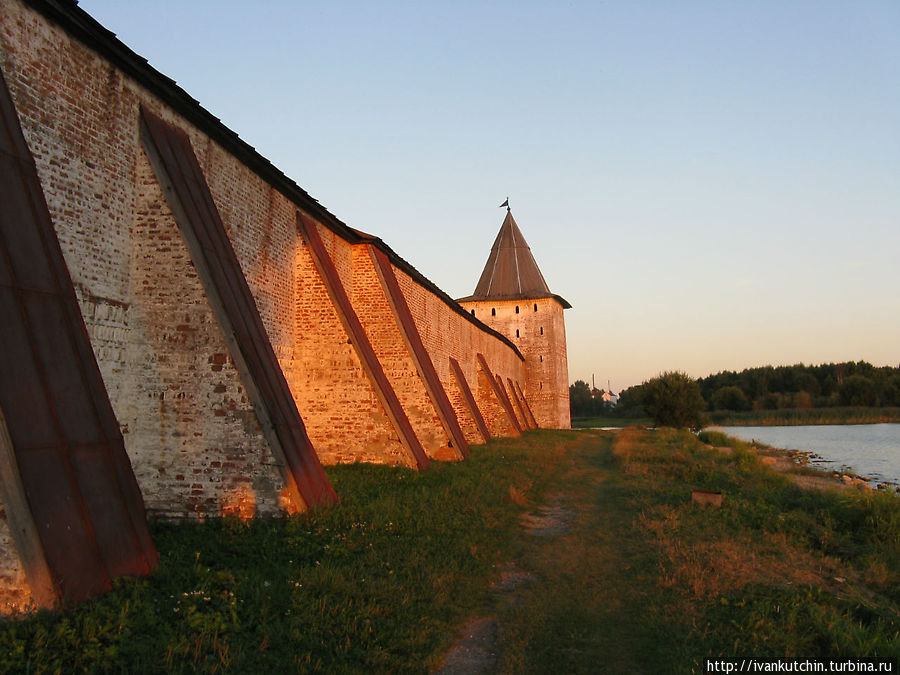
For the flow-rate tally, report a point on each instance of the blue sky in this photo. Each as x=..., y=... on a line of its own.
x=712, y=185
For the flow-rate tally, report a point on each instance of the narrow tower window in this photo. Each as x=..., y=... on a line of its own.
x=517, y=309
x=535, y=307
x=493, y=311
x=542, y=358
x=542, y=330
x=473, y=312
x=517, y=332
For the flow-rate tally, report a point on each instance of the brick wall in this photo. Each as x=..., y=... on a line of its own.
x=492, y=406
x=193, y=437
x=341, y=410
x=189, y=427
x=190, y=431
x=465, y=417
x=446, y=334
x=384, y=332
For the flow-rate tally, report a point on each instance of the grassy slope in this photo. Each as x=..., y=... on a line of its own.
x=642, y=582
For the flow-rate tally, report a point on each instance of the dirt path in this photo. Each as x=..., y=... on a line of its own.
x=572, y=592
x=478, y=650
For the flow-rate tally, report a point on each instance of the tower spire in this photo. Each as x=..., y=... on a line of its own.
x=511, y=270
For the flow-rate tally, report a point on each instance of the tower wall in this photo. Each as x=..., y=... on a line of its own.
x=537, y=328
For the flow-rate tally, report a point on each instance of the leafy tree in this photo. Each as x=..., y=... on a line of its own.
x=730, y=398
x=580, y=399
x=807, y=382
x=801, y=399
x=892, y=391
x=629, y=404
x=673, y=399
x=770, y=401
x=585, y=401
x=857, y=390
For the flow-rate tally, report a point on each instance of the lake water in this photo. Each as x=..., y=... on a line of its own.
x=871, y=450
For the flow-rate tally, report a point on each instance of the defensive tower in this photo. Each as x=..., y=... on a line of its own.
x=513, y=298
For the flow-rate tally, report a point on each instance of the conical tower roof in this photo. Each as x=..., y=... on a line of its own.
x=511, y=272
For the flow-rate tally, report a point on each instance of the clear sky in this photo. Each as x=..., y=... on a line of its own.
x=712, y=185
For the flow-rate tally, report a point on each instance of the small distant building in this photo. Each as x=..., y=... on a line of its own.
x=609, y=397
x=513, y=298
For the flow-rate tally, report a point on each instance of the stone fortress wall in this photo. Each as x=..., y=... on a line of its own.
x=199, y=440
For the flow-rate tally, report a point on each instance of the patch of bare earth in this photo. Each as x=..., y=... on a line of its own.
x=511, y=577
x=477, y=651
x=550, y=520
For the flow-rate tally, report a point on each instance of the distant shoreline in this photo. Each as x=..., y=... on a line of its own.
x=804, y=416
x=763, y=418
x=799, y=466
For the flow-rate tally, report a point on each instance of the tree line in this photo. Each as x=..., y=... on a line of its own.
x=800, y=386
x=764, y=388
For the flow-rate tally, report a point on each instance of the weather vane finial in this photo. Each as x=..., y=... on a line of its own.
x=506, y=204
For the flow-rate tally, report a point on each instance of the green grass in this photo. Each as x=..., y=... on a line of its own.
x=378, y=584
x=805, y=416
x=647, y=582
x=597, y=422
x=643, y=581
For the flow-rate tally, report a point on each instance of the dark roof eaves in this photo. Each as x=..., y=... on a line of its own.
x=85, y=28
